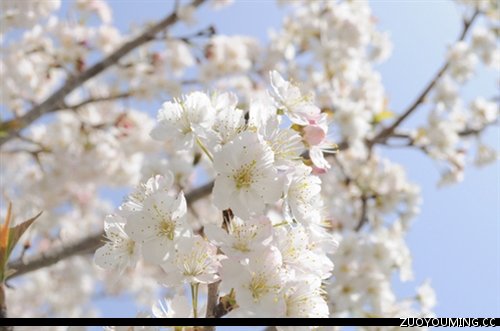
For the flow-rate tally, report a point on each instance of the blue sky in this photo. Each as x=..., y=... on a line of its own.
x=455, y=239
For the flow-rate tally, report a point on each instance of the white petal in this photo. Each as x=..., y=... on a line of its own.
x=318, y=159
x=223, y=188
x=216, y=234
x=157, y=250
x=140, y=226
x=105, y=257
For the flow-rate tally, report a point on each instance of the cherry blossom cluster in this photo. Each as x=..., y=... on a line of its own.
x=269, y=245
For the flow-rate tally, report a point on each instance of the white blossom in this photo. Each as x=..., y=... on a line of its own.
x=120, y=251
x=426, y=296
x=257, y=285
x=195, y=261
x=246, y=177
x=297, y=107
x=182, y=123
x=462, y=61
x=243, y=238
x=305, y=299
x=302, y=195
x=156, y=221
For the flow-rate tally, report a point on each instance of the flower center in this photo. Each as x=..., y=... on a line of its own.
x=244, y=176
x=195, y=264
x=258, y=286
x=167, y=228
x=241, y=246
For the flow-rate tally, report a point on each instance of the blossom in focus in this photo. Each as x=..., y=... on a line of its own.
x=182, y=122
x=195, y=261
x=257, y=285
x=120, y=251
x=243, y=238
x=156, y=222
x=246, y=177
x=297, y=107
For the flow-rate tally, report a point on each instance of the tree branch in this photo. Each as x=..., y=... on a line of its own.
x=56, y=100
x=121, y=95
x=212, y=298
x=85, y=245
x=410, y=141
x=363, y=219
x=471, y=131
x=385, y=133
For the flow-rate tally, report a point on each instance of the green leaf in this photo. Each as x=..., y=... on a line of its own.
x=17, y=231
x=9, y=236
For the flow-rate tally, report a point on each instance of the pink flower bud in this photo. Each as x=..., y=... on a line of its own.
x=314, y=135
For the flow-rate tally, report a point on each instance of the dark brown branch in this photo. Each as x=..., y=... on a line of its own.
x=82, y=246
x=471, y=132
x=56, y=101
x=385, y=133
x=212, y=298
x=363, y=219
x=199, y=192
x=3, y=308
x=410, y=141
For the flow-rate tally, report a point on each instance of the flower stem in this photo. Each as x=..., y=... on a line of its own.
x=194, y=298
